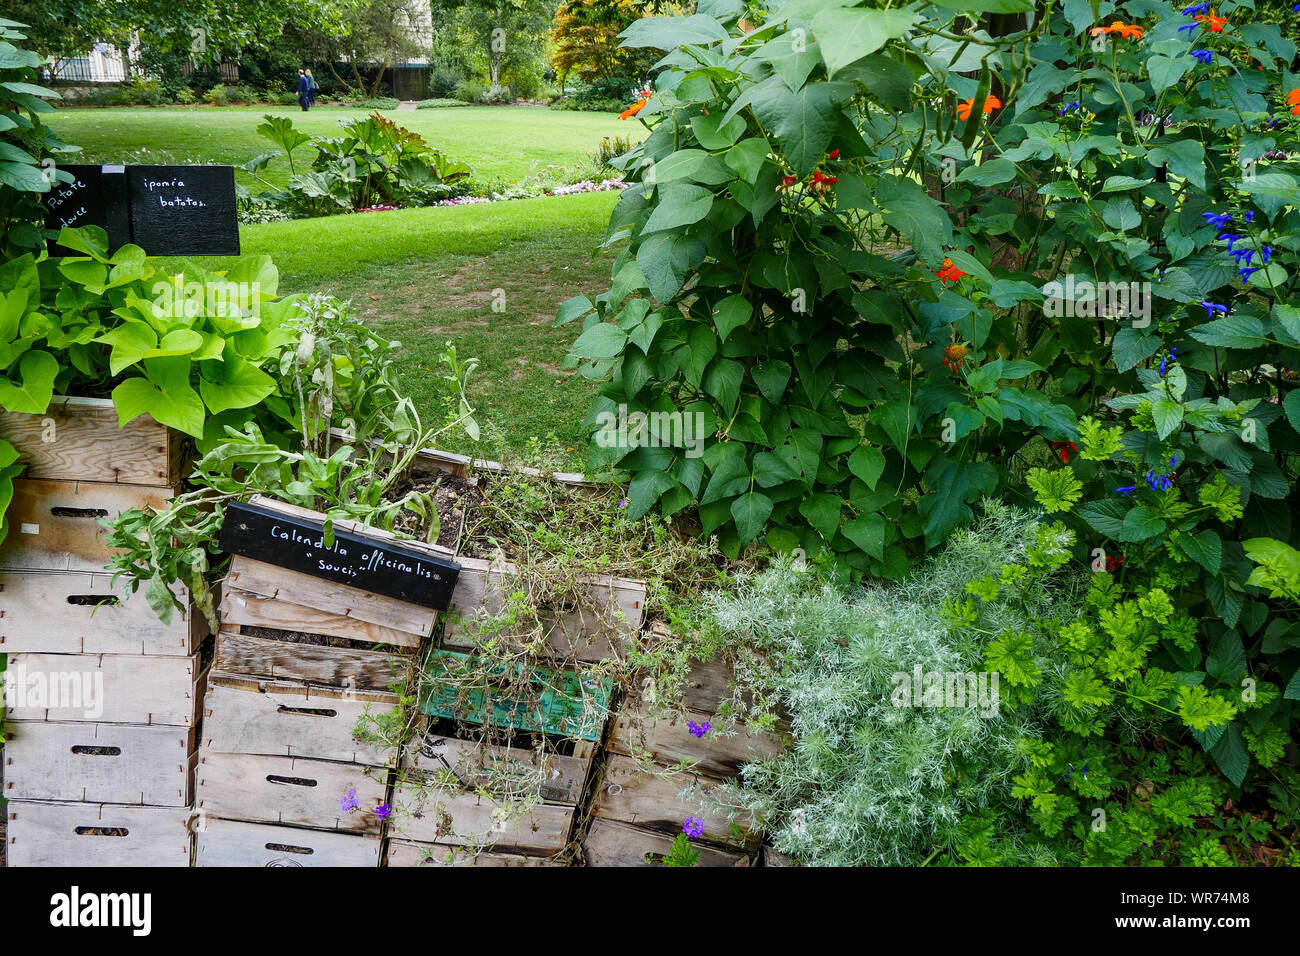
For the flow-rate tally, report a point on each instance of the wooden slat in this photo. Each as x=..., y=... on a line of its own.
x=315, y=664
x=405, y=853
x=773, y=858
x=457, y=819
x=46, y=834
x=617, y=844
x=337, y=601
x=48, y=612
x=653, y=801
x=277, y=718
x=78, y=439
x=245, y=608
x=287, y=790
x=482, y=589
x=234, y=843
x=98, y=763
x=555, y=778
x=135, y=689
x=667, y=740
x=54, y=525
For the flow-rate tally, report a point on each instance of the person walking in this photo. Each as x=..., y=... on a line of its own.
x=304, y=91
x=312, y=87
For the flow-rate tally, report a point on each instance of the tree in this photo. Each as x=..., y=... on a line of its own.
x=585, y=34
x=380, y=32
x=508, y=33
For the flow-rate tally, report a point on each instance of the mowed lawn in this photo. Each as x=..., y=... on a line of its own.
x=428, y=276
x=499, y=142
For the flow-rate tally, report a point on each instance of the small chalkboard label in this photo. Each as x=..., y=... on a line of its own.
x=183, y=210
x=165, y=210
x=390, y=568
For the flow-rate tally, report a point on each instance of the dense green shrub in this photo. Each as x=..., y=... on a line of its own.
x=443, y=81
x=471, y=91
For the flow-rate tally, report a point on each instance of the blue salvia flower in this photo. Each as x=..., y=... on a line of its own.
x=1232, y=238
x=1243, y=254
x=1168, y=360
x=1188, y=26
x=1247, y=273
x=1195, y=8
x=1159, y=482
x=1211, y=308
x=1217, y=220
x=1250, y=215
x=1072, y=105
x=1205, y=56
x=1126, y=490
x=1296, y=8
x=1267, y=251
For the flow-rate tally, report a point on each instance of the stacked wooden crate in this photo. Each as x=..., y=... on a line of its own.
x=459, y=792
x=103, y=696
x=644, y=796
x=283, y=778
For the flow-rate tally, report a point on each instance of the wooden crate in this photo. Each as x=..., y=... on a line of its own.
x=243, y=715
x=78, y=439
x=617, y=844
x=58, y=612
x=43, y=833
x=406, y=853
x=289, y=791
x=459, y=818
x=345, y=667
x=54, y=525
x=653, y=801
x=258, y=594
x=135, y=689
x=98, y=763
x=233, y=843
x=556, y=778
x=666, y=739
x=482, y=590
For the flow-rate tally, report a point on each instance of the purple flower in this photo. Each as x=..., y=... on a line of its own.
x=1296, y=8
x=1211, y=308
x=349, y=803
x=622, y=502
x=1205, y=56
x=1246, y=254
x=1166, y=360
x=1126, y=490
x=1217, y=220
x=384, y=811
x=1267, y=251
x=1068, y=107
x=1232, y=238
x=693, y=827
x=1188, y=26
x=699, y=730
x=1195, y=8
x=1250, y=216
x=1159, y=482
x=1247, y=273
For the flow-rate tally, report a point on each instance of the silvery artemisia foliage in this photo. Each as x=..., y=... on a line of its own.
x=867, y=782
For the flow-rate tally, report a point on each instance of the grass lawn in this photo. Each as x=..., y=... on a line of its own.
x=499, y=142
x=426, y=276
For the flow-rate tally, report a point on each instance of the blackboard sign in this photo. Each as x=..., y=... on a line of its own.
x=384, y=567
x=165, y=210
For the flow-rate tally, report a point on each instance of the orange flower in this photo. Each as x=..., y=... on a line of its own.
x=635, y=108
x=1293, y=98
x=954, y=356
x=990, y=104
x=1129, y=31
x=1211, y=21
x=949, y=272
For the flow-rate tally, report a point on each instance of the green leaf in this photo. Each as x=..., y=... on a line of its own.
x=680, y=204
x=747, y=157
x=868, y=533
x=1168, y=416
x=236, y=383
x=954, y=484
x=668, y=33
x=603, y=340
x=771, y=377
x=909, y=209
x=867, y=463
x=32, y=394
x=1206, y=549
x=712, y=133
x=1233, y=332
x=1165, y=71
x=166, y=395
x=722, y=380
x=731, y=313
x=751, y=512
x=823, y=513
x=1185, y=158
x=803, y=122
x=574, y=308
x=1141, y=523
x=845, y=35
x=1231, y=755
